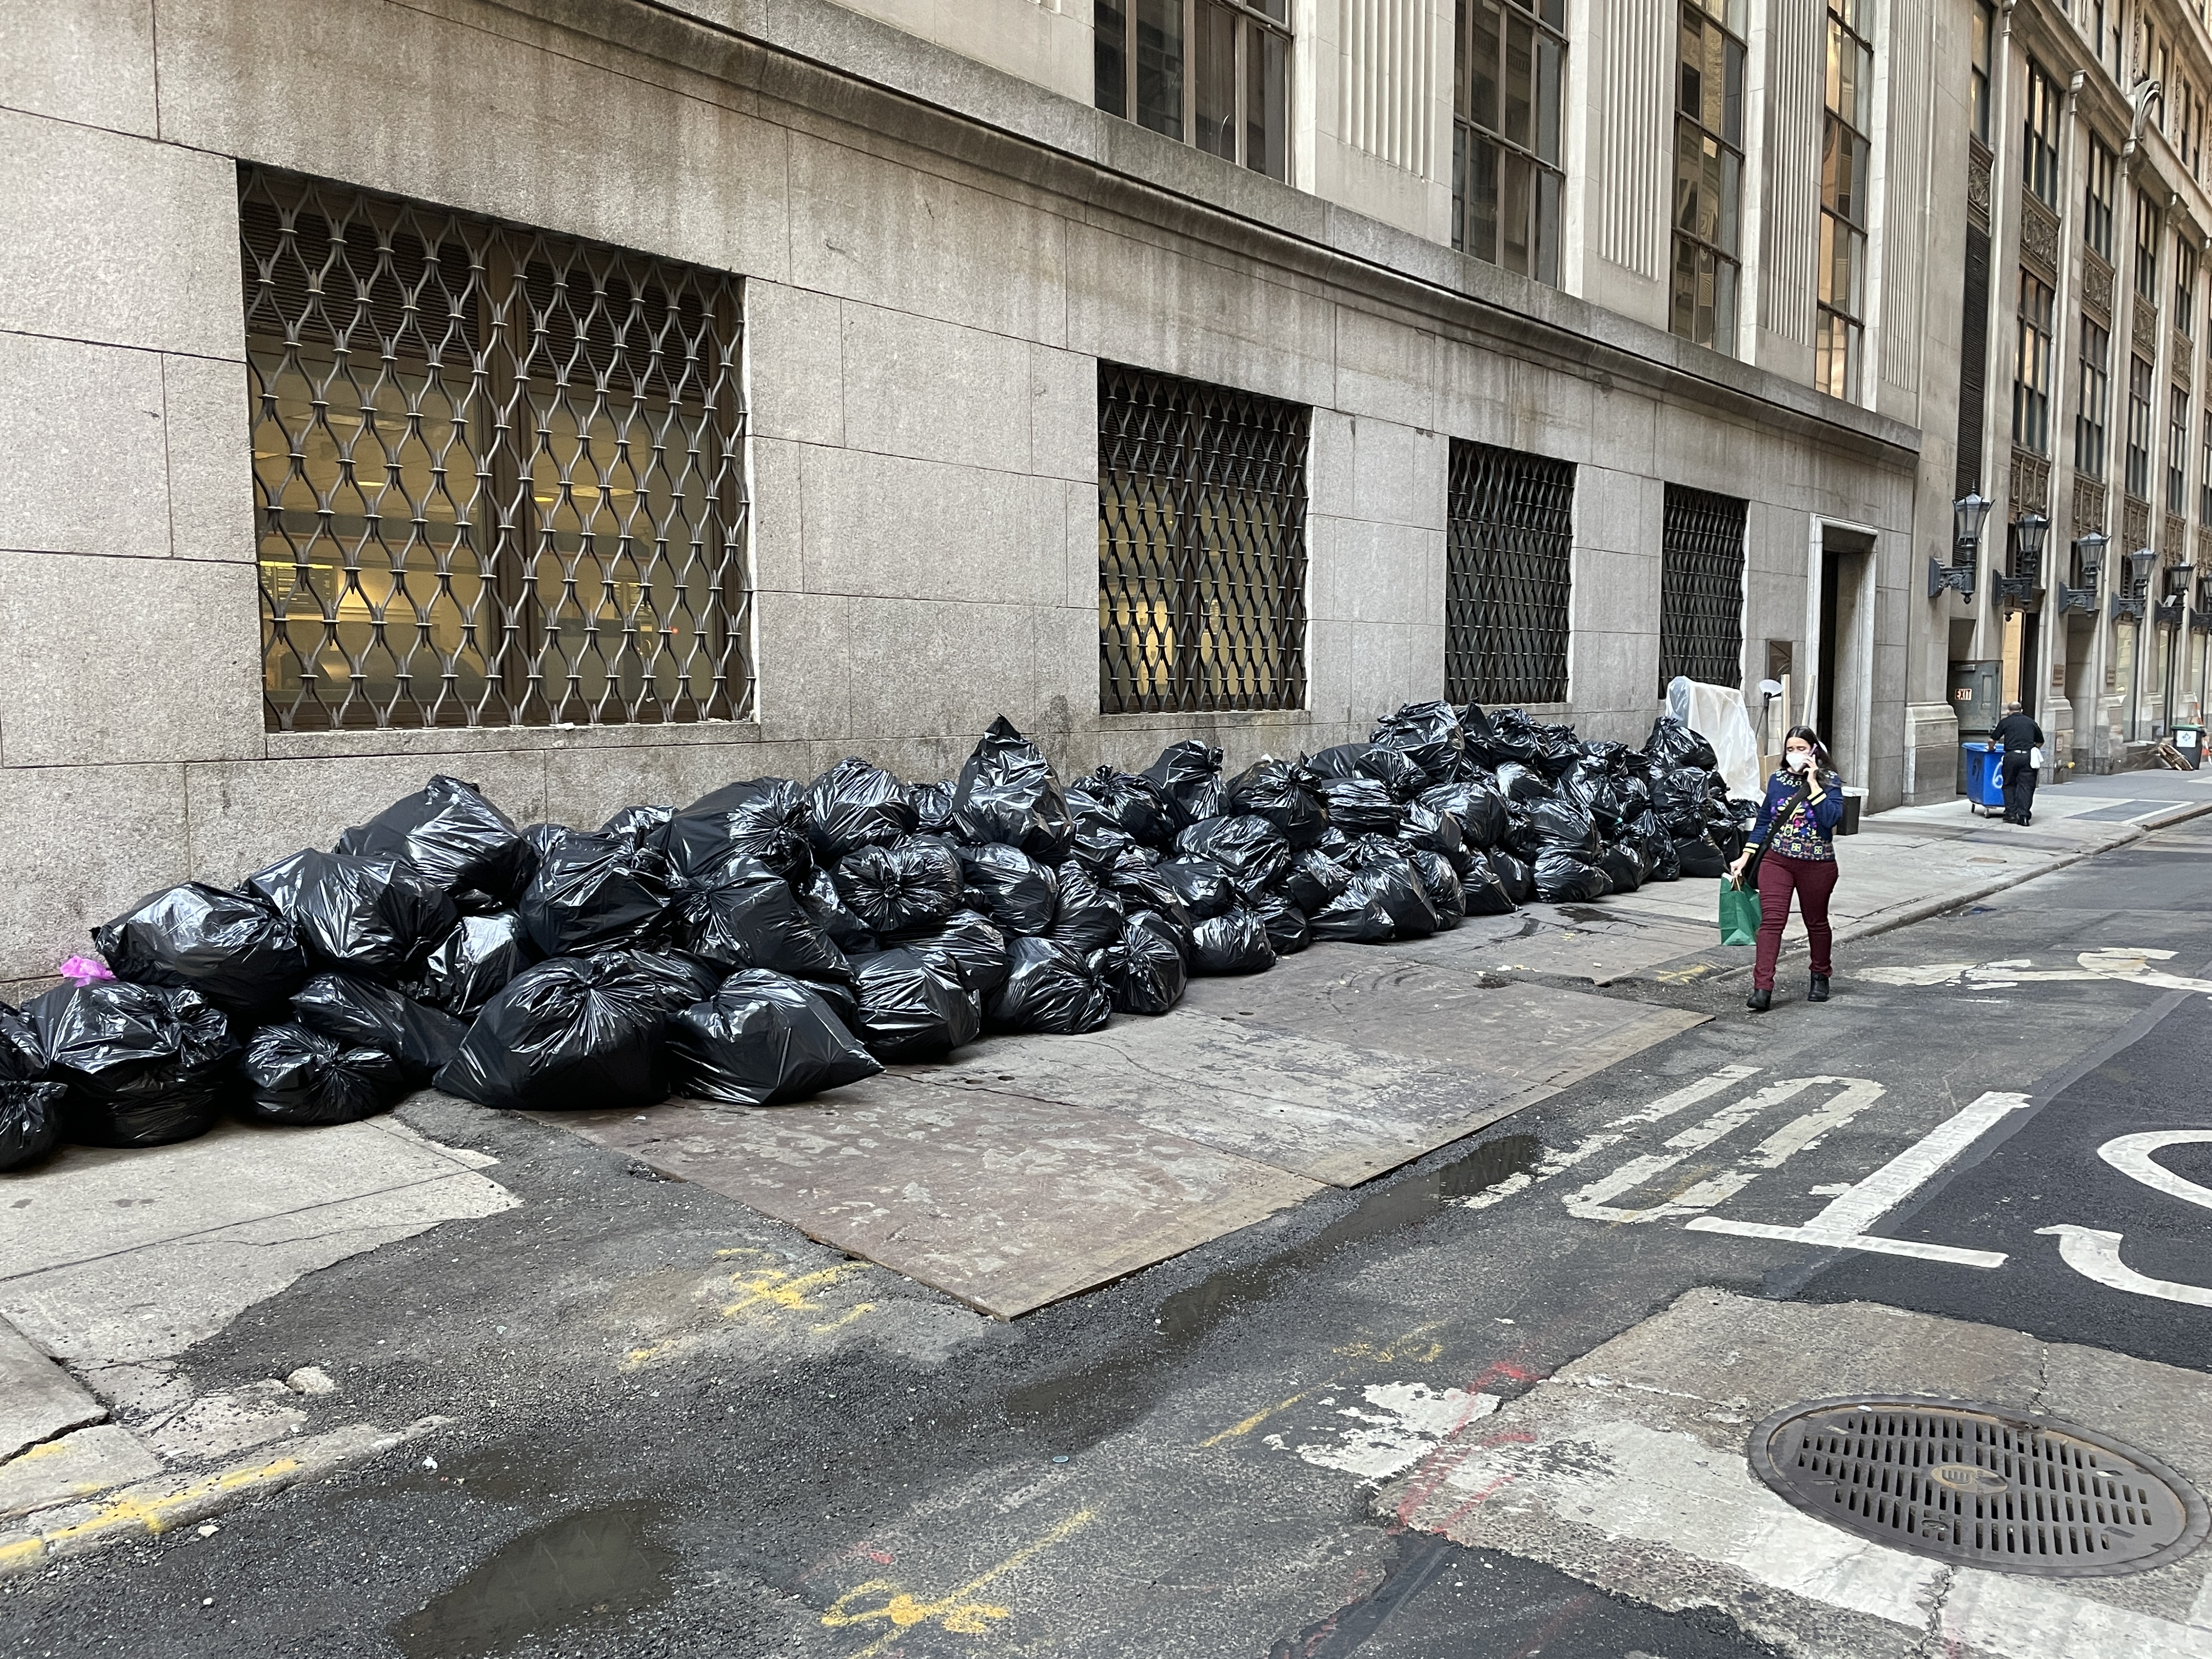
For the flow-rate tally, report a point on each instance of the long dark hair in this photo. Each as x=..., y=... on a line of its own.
x=1822, y=762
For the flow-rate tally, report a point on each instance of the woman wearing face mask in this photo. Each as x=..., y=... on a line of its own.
x=1794, y=843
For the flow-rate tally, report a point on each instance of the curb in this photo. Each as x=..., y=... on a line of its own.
x=1920, y=909
x=149, y=1508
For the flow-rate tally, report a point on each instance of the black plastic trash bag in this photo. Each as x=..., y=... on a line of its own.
x=577, y=1034
x=1288, y=930
x=30, y=1121
x=752, y=919
x=1513, y=874
x=1682, y=794
x=1476, y=804
x=1360, y=914
x=1400, y=778
x=1697, y=856
x=470, y=964
x=1188, y=774
x=1624, y=871
x=1551, y=824
x=142, y=1065
x=1089, y=915
x=1009, y=886
x=1099, y=846
x=1519, y=783
x=1050, y=988
x=932, y=807
x=1427, y=830
x=1428, y=734
x=1512, y=737
x=1138, y=883
x=595, y=890
x=1313, y=879
x=1402, y=891
x=1146, y=970
x=763, y=1039
x=367, y=915
x=463, y=845
x=679, y=980
x=296, y=1076
x=1007, y=794
x=909, y=883
x=1287, y=795
x=361, y=1014
x=1481, y=892
x=839, y=925
x=1360, y=806
x=233, y=948
x=1440, y=882
x=646, y=825
x=1202, y=886
x=913, y=1005
x=856, y=805
x=974, y=944
x=762, y=819
x=1234, y=942
x=1671, y=745
x=1130, y=803
x=1564, y=875
x=1251, y=849
x=1481, y=738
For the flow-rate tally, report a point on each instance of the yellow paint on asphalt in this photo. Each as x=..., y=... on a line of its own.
x=1236, y=1431
x=772, y=1292
x=153, y=1514
x=954, y=1612
x=1415, y=1348
x=1683, y=975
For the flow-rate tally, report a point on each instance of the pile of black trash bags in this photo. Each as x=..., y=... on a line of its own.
x=774, y=939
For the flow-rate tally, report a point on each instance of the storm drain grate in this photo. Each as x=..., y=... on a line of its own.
x=1971, y=1484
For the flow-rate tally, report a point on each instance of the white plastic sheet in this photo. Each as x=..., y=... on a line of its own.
x=1716, y=712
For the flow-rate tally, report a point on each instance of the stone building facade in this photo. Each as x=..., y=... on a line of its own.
x=2089, y=216
x=602, y=401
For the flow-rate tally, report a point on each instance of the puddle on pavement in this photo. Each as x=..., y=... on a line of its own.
x=595, y=1565
x=1080, y=1410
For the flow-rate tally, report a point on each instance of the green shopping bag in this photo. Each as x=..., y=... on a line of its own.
x=1739, y=913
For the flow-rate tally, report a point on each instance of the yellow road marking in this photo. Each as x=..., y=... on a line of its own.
x=1237, y=1430
x=954, y=1612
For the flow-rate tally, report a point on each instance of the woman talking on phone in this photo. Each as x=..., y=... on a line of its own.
x=1792, y=847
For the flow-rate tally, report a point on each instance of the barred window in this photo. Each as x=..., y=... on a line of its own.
x=1508, y=169
x=1508, y=564
x=1201, y=546
x=499, y=474
x=1701, y=587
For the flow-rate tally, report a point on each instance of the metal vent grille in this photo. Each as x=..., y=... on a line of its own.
x=1701, y=588
x=1201, y=546
x=1508, y=570
x=1972, y=1483
x=499, y=476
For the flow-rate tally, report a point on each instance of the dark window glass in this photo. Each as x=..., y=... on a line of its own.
x=1985, y=28
x=499, y=474
x=1508, y=569
x=1216, y=73
x=1201, y=546
x=2096, y=396
x=2204, y=474
x=2097, y=207
x=2147, y=226
x=2031, y=378
x=1844, y=153
x=2184, y=287
x=2138, y=459
x=1509, y=68
x=2177, y=450
x=1701, y=587
x=2039, y=149
x=1708, y=172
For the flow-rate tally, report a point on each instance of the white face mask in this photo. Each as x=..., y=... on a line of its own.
x=1798, y=760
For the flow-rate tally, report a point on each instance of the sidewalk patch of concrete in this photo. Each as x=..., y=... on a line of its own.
x=76, y=1466
x=1627, y=1470
x=110, y=1257
x=39, y=1400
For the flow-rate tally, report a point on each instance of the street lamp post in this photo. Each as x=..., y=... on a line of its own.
x=2128, y=601
x=1968, y=514
x=2023, y=585
x=2088, y=559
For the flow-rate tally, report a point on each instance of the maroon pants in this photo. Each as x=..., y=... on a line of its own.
x=1811, y=880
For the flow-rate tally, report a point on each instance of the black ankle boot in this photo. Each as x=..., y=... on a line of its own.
x=1760, y=1001
x=1820, y=991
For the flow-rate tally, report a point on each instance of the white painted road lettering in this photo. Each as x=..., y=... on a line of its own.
x=2095, y=1253
x=2125, y=963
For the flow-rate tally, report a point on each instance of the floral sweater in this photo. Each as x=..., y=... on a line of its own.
x=1806, y=829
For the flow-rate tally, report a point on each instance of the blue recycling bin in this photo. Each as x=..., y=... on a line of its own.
x=1984, y=784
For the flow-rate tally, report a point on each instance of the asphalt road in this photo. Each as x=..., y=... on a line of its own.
x=1185, y=1462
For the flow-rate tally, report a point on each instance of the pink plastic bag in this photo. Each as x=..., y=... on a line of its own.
x=85, y=971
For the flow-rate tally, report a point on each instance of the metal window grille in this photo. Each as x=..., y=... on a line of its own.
x=1508, y=567
x=1201, y=546
x=1701, y=588
x=499, y=476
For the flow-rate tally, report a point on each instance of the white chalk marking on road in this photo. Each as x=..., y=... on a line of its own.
x=2095, y=1253
x=2131, y=1156
x=1595, y=1201
x=1842, y=1224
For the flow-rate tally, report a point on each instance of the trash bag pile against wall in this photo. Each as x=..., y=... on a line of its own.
x=775, y=938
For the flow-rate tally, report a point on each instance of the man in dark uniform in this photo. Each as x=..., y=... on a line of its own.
x=2019, y=736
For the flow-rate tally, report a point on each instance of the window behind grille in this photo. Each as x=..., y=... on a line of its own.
x=1201, y=546
x=1701, y=588
x=499, y=474
x=1507, y=563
